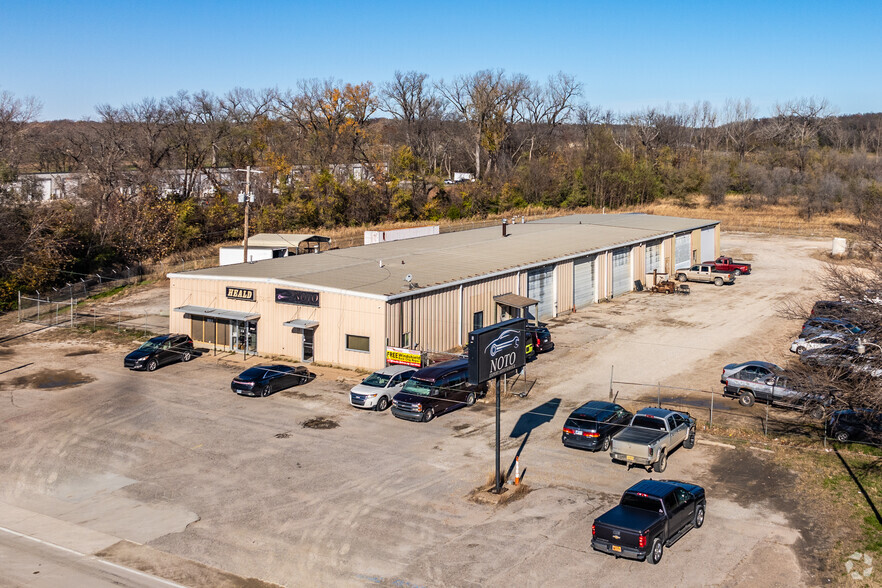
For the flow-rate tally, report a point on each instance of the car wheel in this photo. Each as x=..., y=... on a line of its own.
x=152, y=365
x=746, y=399
x=470, y=399
x=681, y=277
x=267, y=390
x=606, y=443
x=699, y=517
x=657, y=551
x=800, y=350
x=689, y=443
x=736, y=273
x=662, y=463
x=842, y=436
x=718, y=281
x=187, y=356
x=382, y=404
x=428, y=415
x=816, y=413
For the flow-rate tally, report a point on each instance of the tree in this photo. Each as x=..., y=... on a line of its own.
x=798, y=123
x=741, y=125
x=545, y=108
x=15, y=114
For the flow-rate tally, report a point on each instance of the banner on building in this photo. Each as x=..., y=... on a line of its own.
x=397, y=355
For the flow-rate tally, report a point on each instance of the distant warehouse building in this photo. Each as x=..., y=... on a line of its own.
x=346, y=307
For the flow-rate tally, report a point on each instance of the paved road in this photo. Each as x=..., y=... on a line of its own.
x=28, y=562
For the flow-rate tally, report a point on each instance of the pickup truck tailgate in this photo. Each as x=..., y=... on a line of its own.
x=635, y=442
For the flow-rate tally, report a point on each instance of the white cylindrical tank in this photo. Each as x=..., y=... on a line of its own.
x=839, y=245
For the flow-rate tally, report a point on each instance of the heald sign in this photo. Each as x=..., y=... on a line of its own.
x=240, y=293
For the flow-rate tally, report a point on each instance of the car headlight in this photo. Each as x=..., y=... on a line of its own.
x=140, y=359
x=370, y=396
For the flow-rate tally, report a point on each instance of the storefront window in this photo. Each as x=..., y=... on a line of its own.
x=357, y=343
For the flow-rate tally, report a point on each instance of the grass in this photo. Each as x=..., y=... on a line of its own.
x=109, y=293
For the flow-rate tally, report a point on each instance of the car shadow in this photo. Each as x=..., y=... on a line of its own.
x=528, y=422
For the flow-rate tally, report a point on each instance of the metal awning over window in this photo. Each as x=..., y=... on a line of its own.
x=301, y=324
x=514, y=300
x=218, y=313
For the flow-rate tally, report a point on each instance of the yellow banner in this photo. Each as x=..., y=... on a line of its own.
x=403, y=357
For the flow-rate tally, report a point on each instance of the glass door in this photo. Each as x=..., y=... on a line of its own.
x=252, y=338
x=308, y=340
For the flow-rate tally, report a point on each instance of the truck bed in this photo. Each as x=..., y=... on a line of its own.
x=636, y=441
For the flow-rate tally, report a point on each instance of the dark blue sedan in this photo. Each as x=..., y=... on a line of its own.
x=263, y=380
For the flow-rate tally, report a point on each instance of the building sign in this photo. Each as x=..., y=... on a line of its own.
x=496, y=350
x=298, y=297
x=400, y=356
x=240, y=293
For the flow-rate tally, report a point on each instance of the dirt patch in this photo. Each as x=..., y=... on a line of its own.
x=6, y=352
x=282, y=435
x=750, y=479
x=49, y=380
x=82, y=352
x=320, y=423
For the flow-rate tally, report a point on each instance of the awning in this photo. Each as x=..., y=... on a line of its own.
x=218, y=313
x=301, y=324
x=514, y=300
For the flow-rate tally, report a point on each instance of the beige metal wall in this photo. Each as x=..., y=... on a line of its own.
x=338, y=315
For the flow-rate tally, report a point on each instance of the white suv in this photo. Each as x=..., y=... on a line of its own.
x=376, y=391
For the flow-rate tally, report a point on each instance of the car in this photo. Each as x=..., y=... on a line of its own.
x=592, y=425
x=651, y=436
x=750, y=370
x=263, y=380
x=436, y=389
x=541, y=337
x=160, y=351
x=860, y=424
x=704, y=273
x=726, y=264
x=847, y=357
x=817, y=340
x=652, y=515
x=834, y=325
x=778, y=391
x=507, y=338
x=376, y=391
x=449, y=182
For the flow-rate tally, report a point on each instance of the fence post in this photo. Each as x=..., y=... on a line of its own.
x=611, y=381
x=71, y=308
x=19, y=306
x=766, y=428
x=712, y=409
x=659, y=394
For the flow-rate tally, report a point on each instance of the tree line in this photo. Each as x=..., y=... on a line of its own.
x=526, y=143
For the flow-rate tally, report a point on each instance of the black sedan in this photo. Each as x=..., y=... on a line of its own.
x=541, y=337
x=263, y=380
x=160, y=351
x=592, y=425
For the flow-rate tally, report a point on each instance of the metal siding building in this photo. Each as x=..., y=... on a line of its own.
x=344, y=307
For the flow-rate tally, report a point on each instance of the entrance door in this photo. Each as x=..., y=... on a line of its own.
x=237, y=335
x=308, y=341
x=252, y=338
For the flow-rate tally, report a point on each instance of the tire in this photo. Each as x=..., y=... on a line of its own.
x=606, y=443
x=816, y=413
x=681, y=277
x=470, y=399
x=428, y=415
x=842, y=436
x=152, y=365
x=736, y=273
x=698, y=521
x=689, y=442
x=187, y=356
x=382, y=404
x=267, y=390
x=746, y=399
x=655, y=555
x=718, y=281
x=662, y=463
x=800, y=350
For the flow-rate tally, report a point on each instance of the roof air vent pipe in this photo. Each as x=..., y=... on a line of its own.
x=504, y=227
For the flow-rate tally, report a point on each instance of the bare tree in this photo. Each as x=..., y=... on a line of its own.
x=797, y=124
x=545, y=108
x=15, y=114
x=739, y=120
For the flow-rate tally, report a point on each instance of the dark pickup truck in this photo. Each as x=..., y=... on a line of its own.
x=436, y=389
x=652, y=515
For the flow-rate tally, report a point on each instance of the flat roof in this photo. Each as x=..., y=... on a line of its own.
x=380, y=270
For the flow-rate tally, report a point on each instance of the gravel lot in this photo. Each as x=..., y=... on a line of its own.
x=180, y=467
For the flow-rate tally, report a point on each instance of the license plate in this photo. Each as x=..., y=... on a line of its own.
x=629, y=457
x=617, y=548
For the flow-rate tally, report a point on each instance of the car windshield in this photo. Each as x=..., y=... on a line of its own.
x=377, y=380
x=642, y=502
x=151, y=345
x=418, y=387
x=648, y=423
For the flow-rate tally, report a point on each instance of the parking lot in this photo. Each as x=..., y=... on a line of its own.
x=299, y=488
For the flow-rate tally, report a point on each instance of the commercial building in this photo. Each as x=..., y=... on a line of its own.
x=346, y=307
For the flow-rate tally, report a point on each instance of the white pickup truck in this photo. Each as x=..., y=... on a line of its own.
x=704, y=272
x=651, y=436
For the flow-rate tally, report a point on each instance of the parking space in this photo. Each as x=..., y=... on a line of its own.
x=301, y=488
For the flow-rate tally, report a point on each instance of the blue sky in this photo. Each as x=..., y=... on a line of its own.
x=627, y=54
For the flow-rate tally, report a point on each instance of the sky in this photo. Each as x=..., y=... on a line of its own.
x=627, y=54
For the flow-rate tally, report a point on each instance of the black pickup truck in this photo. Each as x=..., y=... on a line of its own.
x=652, y=515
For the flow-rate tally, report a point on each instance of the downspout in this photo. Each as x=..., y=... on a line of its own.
x=459, y=317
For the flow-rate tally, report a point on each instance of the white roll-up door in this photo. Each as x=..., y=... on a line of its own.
x=621, y=271
x=708, y=249
x=683, y=251
x=583, y=281
x=653, y=257
x=540, y=286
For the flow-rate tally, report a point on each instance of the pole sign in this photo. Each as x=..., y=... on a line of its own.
x=496, y=350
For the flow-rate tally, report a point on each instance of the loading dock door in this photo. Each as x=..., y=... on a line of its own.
x=708, y=251
x=621, y=271
x=540, y=286
x=683, y=251
x=583, y=281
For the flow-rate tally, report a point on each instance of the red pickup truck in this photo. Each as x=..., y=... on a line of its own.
x=726, y=264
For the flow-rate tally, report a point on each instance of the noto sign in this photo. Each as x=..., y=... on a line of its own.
x=496, y=350
x=298, y=297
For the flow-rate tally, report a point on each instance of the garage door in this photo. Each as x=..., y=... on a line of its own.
x=583, y=281
x=708, y=251
x=653, y=257
x=621, y=271
x=683, y=251
x=540, y=286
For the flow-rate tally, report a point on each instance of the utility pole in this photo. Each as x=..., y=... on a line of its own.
x=247, y=197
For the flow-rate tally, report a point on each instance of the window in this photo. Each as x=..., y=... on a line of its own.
x=358, y=343
x=478, y=320
x=405, y=340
